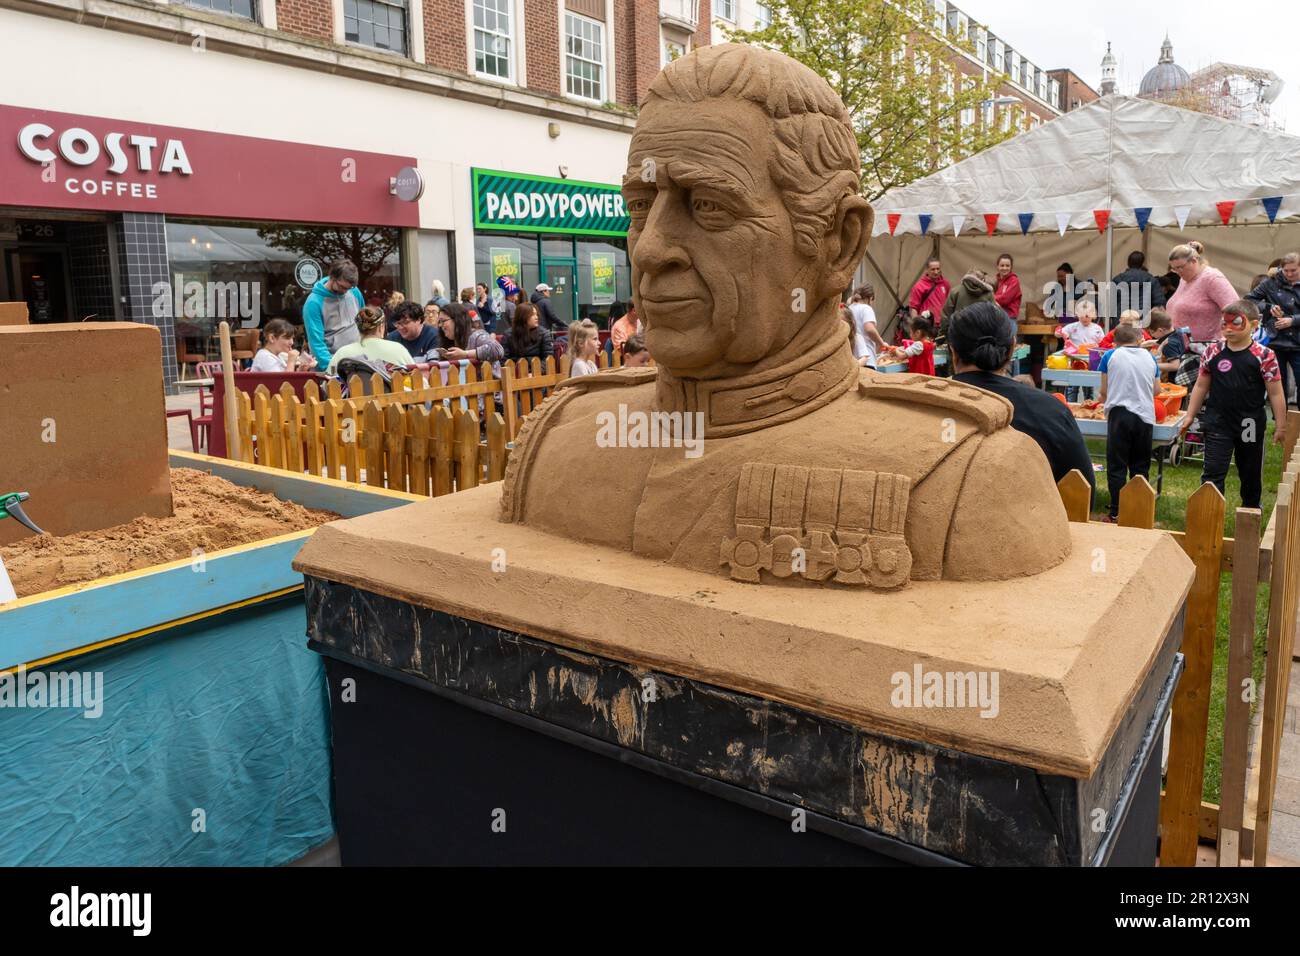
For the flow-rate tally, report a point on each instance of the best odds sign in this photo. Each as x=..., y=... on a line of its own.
x=65, y=161
x=516, y=203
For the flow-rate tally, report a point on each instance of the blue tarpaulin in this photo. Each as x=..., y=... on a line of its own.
x=212, y=750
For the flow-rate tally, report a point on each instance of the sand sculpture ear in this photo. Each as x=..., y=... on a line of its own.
x=847, y=244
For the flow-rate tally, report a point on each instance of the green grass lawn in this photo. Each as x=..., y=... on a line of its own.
x=1171, y=511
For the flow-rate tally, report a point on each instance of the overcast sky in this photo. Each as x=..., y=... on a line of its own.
x=1248, y=32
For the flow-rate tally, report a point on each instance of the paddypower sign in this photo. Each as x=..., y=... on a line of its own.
x=514, y=203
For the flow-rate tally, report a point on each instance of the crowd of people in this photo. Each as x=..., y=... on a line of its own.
x=1240, y=354
x=338, y=325
x=1189, y=326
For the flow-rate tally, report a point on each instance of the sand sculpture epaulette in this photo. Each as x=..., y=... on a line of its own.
x=538, y=420
x=989, y=412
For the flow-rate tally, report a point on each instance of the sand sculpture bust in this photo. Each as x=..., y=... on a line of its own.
x=742, y=186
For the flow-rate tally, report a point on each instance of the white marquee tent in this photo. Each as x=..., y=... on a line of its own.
x=1134, y=162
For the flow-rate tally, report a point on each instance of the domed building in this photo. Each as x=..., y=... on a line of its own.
x=1166, y=78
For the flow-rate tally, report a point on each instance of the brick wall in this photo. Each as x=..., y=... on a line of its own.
x=704, y=30
x=542, y=25
x=636, y=32
x=446, y=35
x=306, y=18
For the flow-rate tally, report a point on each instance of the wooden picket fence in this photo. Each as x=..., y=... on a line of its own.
x=1251, y=558
x=407, y=435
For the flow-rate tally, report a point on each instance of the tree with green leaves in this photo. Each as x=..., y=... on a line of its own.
x=368, y=248
x=896, y=70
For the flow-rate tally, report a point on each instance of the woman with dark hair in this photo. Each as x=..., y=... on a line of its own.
x=1006, y=290
x=460, y=340
x=981, y=342
x=526, y=338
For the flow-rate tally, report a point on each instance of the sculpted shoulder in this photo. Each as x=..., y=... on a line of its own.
x=573, y=407
x=987, y=411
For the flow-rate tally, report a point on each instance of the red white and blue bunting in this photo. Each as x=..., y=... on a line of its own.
x=1226, y=209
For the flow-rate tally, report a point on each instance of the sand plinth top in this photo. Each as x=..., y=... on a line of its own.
x=1070, y=646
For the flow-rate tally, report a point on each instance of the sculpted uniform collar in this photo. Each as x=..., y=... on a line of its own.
x=746, y=403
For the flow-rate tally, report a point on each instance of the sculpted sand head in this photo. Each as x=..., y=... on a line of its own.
x=742, y=185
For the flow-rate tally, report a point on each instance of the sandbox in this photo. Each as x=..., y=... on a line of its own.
x=210, y=513
x=212, y=745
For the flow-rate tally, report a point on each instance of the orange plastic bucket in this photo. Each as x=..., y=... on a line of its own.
x=1171, y=396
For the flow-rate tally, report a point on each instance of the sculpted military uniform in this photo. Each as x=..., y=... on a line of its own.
x=877, y=480
x=746, y=225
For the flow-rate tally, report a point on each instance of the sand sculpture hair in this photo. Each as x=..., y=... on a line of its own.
x=817, y=159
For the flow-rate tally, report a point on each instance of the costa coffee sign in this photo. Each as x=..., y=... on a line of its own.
x=66, y=161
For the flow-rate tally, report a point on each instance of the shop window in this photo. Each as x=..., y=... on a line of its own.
x=604, y=278
x=377, y=24
x=248, y=273
x=236, y=8
x=512, y=254
x=584, y=62
x=493, y=39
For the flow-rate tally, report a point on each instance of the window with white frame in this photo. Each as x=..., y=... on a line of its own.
x=763, y=17
x=376, y=23
x=726, y=10
x=236, y=8
x=584, y=61
x=493, y=39
x=673, y=50
x=968, y=114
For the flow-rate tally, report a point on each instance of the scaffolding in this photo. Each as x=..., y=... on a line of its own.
x=1231, y=91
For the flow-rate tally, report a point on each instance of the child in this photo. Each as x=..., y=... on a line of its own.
x=635, y=354
x=584, y=343
x=1084, y=330
x=919, y=350
x=1168, y=344
x=1129, y=382
x=1237, y=375
x=1127, y=317
x=277, y=353
x=866, y=340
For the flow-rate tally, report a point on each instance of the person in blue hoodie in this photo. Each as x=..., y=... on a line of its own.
x=330, y=312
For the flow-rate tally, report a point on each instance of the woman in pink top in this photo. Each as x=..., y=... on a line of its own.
x=1203, y=293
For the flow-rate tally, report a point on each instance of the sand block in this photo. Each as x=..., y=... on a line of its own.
x=13, y=313
x=96, y=389
x=1072, y=647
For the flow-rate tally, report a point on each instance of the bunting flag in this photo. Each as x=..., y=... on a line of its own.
x=1272, y=206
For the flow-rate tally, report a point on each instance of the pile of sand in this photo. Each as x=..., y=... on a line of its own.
x=209, y=513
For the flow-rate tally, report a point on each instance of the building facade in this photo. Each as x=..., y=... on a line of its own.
x=1026, y=97
x=240, y=145
x=1074, y=92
